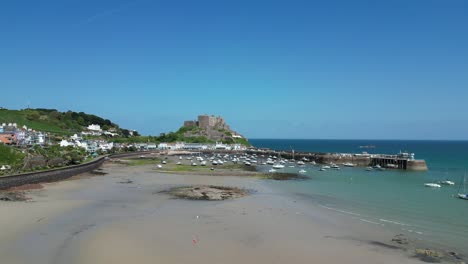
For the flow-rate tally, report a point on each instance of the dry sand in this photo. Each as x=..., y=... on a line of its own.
x=123, y=217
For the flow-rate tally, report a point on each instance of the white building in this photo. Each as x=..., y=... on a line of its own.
x=65, y=143
x=104, y=146
x=75, y=137
x=94, y=128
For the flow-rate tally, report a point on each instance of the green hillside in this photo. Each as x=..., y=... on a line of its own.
x=51, y=120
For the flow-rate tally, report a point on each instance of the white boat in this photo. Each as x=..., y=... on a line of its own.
x=278, y=166
x=203, y=163
x=272, y=170
x=378, y=167
x=247, y=163
x=300, y=162
x=214, y=162
x=163, y=162
x=313, y=163
x=322, y=169
x=349, y=164
x=194, y=164
x=369, y=169
x=432, y=185
x=302, y=171
x=463, y=196
x=447, y=182
x=326, y=167
x=334, y=166
x=291, y=166
x=179, y=163
x=159, y=166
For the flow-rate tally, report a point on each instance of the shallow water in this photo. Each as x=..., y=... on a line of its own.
x=394, y=199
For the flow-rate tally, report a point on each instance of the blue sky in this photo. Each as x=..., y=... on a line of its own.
x=395, y=69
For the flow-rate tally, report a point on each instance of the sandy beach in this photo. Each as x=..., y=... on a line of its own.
x=125, y=217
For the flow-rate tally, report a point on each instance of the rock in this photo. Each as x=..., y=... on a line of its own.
x=207, y=192
x=126, y=182
x=400, y=239
x=428, y=255
x=13, y=197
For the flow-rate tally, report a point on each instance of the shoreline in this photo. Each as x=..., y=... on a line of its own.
x=123, y=206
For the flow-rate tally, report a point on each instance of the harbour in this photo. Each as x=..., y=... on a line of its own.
x=402, y=160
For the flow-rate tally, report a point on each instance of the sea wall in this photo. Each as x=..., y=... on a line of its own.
x=60, y=173
x=49, y=175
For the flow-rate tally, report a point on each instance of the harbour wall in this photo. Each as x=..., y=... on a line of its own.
x=386, y=161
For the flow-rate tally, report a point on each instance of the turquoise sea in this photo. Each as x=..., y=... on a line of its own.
x=394, y=199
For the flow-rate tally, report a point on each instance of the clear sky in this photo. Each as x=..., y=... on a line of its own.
x=395, y=69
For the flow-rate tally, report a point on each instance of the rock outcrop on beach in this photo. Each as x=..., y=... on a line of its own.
x=207, y=192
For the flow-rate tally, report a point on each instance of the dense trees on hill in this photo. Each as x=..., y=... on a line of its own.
x=79, y=118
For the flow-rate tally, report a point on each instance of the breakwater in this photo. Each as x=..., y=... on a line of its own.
x=401, y=161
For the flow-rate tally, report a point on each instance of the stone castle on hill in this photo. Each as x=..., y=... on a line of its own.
x=206, y=121
x=213, y=127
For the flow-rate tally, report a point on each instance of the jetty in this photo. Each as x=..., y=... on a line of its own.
x=402, y=160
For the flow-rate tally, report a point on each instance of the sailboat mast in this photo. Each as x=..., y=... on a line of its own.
x=462, y=182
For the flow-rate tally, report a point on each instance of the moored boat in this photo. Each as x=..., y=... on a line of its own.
x=278, y=166
x=432, y=185
x=447, y=182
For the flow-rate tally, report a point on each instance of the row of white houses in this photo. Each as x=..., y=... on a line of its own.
x=200, y=146
x=90, y=146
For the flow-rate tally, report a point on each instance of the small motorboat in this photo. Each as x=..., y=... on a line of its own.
x=432, y=185
x=278, y=166
x=348, y=164
x=463, y=196
x=447, y=182
x=159, y=166
x=369, y=169
x=272, y=170
x=179, y=163
x=302, y=171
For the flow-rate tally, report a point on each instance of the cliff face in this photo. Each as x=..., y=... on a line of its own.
x=214, y=128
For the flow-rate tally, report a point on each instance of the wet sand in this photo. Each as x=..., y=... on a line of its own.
x=124, y=217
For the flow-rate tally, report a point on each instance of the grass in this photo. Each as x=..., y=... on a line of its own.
x=19, y=117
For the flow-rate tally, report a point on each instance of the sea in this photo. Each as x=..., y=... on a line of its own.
x=396, y=200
